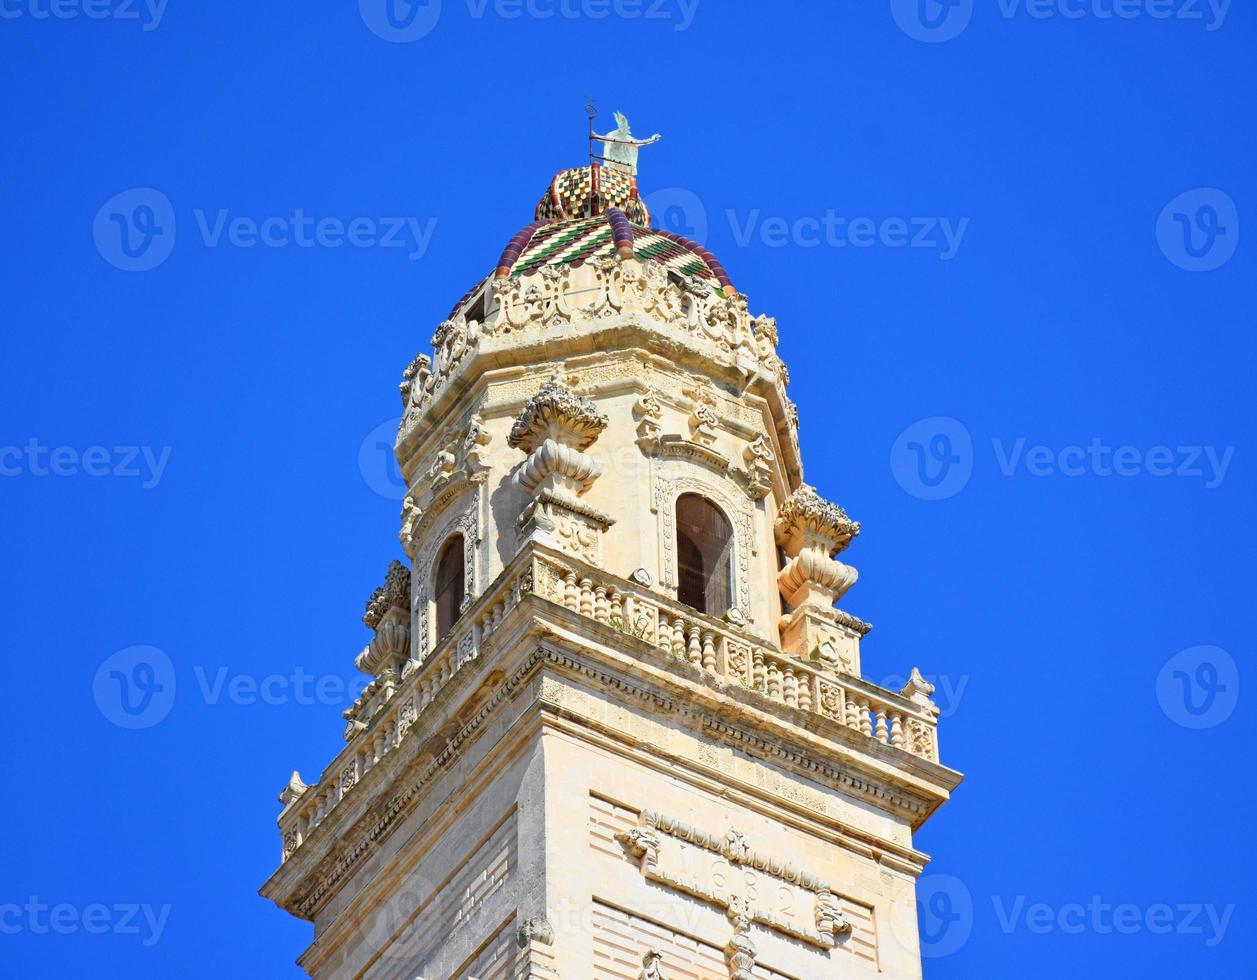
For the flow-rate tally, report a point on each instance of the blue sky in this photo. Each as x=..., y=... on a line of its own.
x=1003, y=243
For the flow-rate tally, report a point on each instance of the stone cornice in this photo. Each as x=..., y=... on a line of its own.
x=811, y=744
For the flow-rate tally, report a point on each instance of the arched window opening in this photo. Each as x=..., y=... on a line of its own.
x=448, y=586
x=704, y=555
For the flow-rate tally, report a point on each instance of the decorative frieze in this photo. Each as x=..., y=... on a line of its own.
x=723, y=869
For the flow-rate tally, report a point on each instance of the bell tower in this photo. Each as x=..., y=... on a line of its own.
x=616, y=726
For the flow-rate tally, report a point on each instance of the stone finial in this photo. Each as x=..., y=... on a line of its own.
x=811, y=530
x=393, y=594
x=806, y=518
x=918, y=689
x=557, y=413
x=293, y=790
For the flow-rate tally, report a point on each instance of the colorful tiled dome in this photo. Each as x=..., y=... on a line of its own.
x=595, y=211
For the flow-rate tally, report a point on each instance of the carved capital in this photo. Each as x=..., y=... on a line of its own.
x=806, y=519
x=557, y=413
x=393, y=594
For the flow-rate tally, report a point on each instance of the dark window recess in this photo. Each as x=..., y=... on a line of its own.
x=448, y=587
x=704, y=555
x=476, y=310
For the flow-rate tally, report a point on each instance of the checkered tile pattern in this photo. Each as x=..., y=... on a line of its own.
x=571, y=191
x=570, y=242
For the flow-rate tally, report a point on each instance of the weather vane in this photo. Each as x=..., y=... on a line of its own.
x=619, y=148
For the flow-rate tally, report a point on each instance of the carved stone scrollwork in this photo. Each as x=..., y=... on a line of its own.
x=649, y=414
x=474, y=443
x=643, y=843
x=830, y=920
x=740, y=951
x=650, y=966
x=758, y=474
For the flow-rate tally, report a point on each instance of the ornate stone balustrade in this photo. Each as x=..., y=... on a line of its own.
x=906, y=721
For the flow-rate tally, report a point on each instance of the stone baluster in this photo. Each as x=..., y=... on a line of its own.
x=759, y=679
x=694, y=650
x=790, y=688
x=586, y=598
x=709, y=651
x=883, y=734
x=571, y=593
x=602, y=608
x=774, y=680
x=678, y=639
x=896, y=730
x=866, y=724
x=806, y=698
x=616, y=612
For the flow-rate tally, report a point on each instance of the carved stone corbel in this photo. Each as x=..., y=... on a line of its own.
x=474, y=453
x=757, y=477
x=649, y=414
